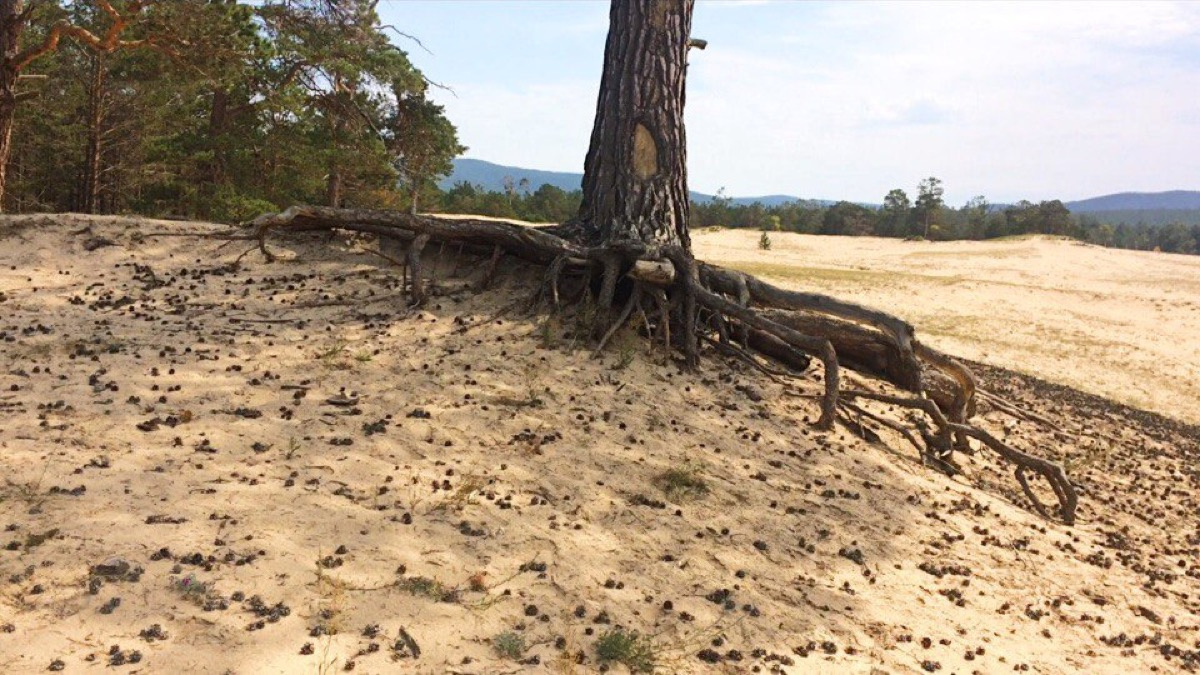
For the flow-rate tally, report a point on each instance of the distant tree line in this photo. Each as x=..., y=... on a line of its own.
x=213, y=108
x=546, y=204
x=928, y=217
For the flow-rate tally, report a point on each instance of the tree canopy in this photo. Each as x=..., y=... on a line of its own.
x=236, y=109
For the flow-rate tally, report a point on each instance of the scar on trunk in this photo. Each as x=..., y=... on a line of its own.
x=645, y=153
x=658, y=14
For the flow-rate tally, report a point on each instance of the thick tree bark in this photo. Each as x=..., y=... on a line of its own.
x=635, y=175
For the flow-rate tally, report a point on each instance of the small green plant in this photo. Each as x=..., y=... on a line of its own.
x=33, y=540
x=637, y=652
x=363, y=357
x=627, y=343
x=682, y=483
x=510, y=645
x=189, y=586
x=548, y=332
x=584, y=320
x=534, y=388
x=429, y=588
x=764, y=242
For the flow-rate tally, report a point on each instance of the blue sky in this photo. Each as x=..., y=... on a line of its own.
x=849, y=100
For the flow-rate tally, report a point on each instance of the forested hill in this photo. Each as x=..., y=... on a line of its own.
x=1143, y=208
x=1175, y=200
x=493, y=177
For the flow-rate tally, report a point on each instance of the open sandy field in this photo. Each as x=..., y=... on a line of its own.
x=1121, y=324
x=277, y=468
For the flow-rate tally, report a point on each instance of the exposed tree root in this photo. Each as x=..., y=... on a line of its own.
x=735, y=351
x=634, y=299
x=1012, y=410
x=783, y=326
x=490, y=271
x=883, y=421
x=1053, y=473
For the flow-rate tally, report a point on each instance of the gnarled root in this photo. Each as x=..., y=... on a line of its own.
x=417, y=283
x=1054, y=474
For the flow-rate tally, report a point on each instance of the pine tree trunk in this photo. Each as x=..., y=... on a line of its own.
x=95, y=121
x=218, y=122
x=10, y=34
x=333, y=185
x=635, y=174
x=7, y=111
x=333, y=188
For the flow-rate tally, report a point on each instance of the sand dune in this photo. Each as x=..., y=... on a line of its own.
x=275, y=468
x=1120, y=324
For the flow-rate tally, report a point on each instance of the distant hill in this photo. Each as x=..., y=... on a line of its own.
x=1142, y=208
x=1146, y=216
x=1176, y=200
x=492, y=177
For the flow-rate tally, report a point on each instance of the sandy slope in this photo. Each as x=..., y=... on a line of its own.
x=461, y=471
x=1121, y=324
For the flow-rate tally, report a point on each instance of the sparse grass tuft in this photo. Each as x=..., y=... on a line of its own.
x=637, y=652
x=336, y=357
x=30, y=493
x=682, y=483
x=510, y=645
x=534, y=388
x=331, y=593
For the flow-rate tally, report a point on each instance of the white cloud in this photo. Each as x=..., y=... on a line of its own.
x=540, y=126
x=848, y=100
x=1010, y=100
